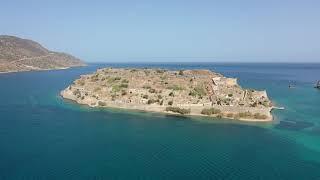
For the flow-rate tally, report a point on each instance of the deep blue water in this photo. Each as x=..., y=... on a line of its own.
x=45, y=137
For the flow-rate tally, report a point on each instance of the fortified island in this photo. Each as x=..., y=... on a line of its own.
x=187, y=92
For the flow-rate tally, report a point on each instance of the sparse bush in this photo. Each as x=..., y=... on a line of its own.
x=145, y=96
x=76, y=92
x=123, y=92
x=81, y=82
x=181, y=72
x=146, y=87
x=266, y=103
x=178, y=110
x=255, y=104
x=152, y=90
x=230, y=95
x=151, y=101
x=113, y=97
x=125, y=81
x=110, y=80
x=170, y=103
x=116, y=88
x=260, y=116
x=230, y=115
x=160, y=71
x=123, y=85
x=210, y=111
x=176, y=88
x=159, y=96
x=100, y=103
x=96, y=89
x=192, y=93
x=198, y=91
x=245, y=115
x=171, y=94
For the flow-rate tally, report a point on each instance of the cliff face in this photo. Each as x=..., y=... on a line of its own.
x=18, y=54
x=195, y=92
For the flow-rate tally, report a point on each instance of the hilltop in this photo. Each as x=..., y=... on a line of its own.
x=18, y=54
x=194, y=92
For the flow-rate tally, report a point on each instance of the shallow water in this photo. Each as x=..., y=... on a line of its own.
x=45, y=137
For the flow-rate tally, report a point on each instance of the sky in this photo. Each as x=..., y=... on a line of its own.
x=170, y=30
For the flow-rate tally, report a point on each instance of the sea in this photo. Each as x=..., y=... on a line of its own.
x=43, y=136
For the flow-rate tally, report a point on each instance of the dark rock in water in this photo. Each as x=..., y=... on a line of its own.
x=294, y=125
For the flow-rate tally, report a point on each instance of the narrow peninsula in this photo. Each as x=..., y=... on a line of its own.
x=187, y=92
x=17, y=54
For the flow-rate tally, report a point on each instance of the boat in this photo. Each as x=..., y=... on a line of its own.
x=317, y=85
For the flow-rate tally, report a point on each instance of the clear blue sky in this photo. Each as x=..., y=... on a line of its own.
x=128, y=30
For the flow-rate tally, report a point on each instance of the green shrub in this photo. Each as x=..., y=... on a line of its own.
x=210, y=111
x=123, y=85
x=116, y=88
x=181, y=72
x=192, y=93
x=266, y=103
x=178, y=110
x=198, y=91
x=176, y=88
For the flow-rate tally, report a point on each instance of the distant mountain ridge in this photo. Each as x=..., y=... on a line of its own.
x=17, y=54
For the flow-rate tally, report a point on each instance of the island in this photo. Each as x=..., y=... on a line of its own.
x=187, y=92
x=17, y=54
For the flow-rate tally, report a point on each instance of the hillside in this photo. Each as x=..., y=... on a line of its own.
x=18, y=54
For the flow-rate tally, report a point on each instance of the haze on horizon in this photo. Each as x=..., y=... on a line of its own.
x=174, y=30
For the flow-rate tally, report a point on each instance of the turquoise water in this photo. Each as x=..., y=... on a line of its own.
x=45, y=137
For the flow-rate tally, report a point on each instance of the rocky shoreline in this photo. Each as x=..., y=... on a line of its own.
x=186, y=92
